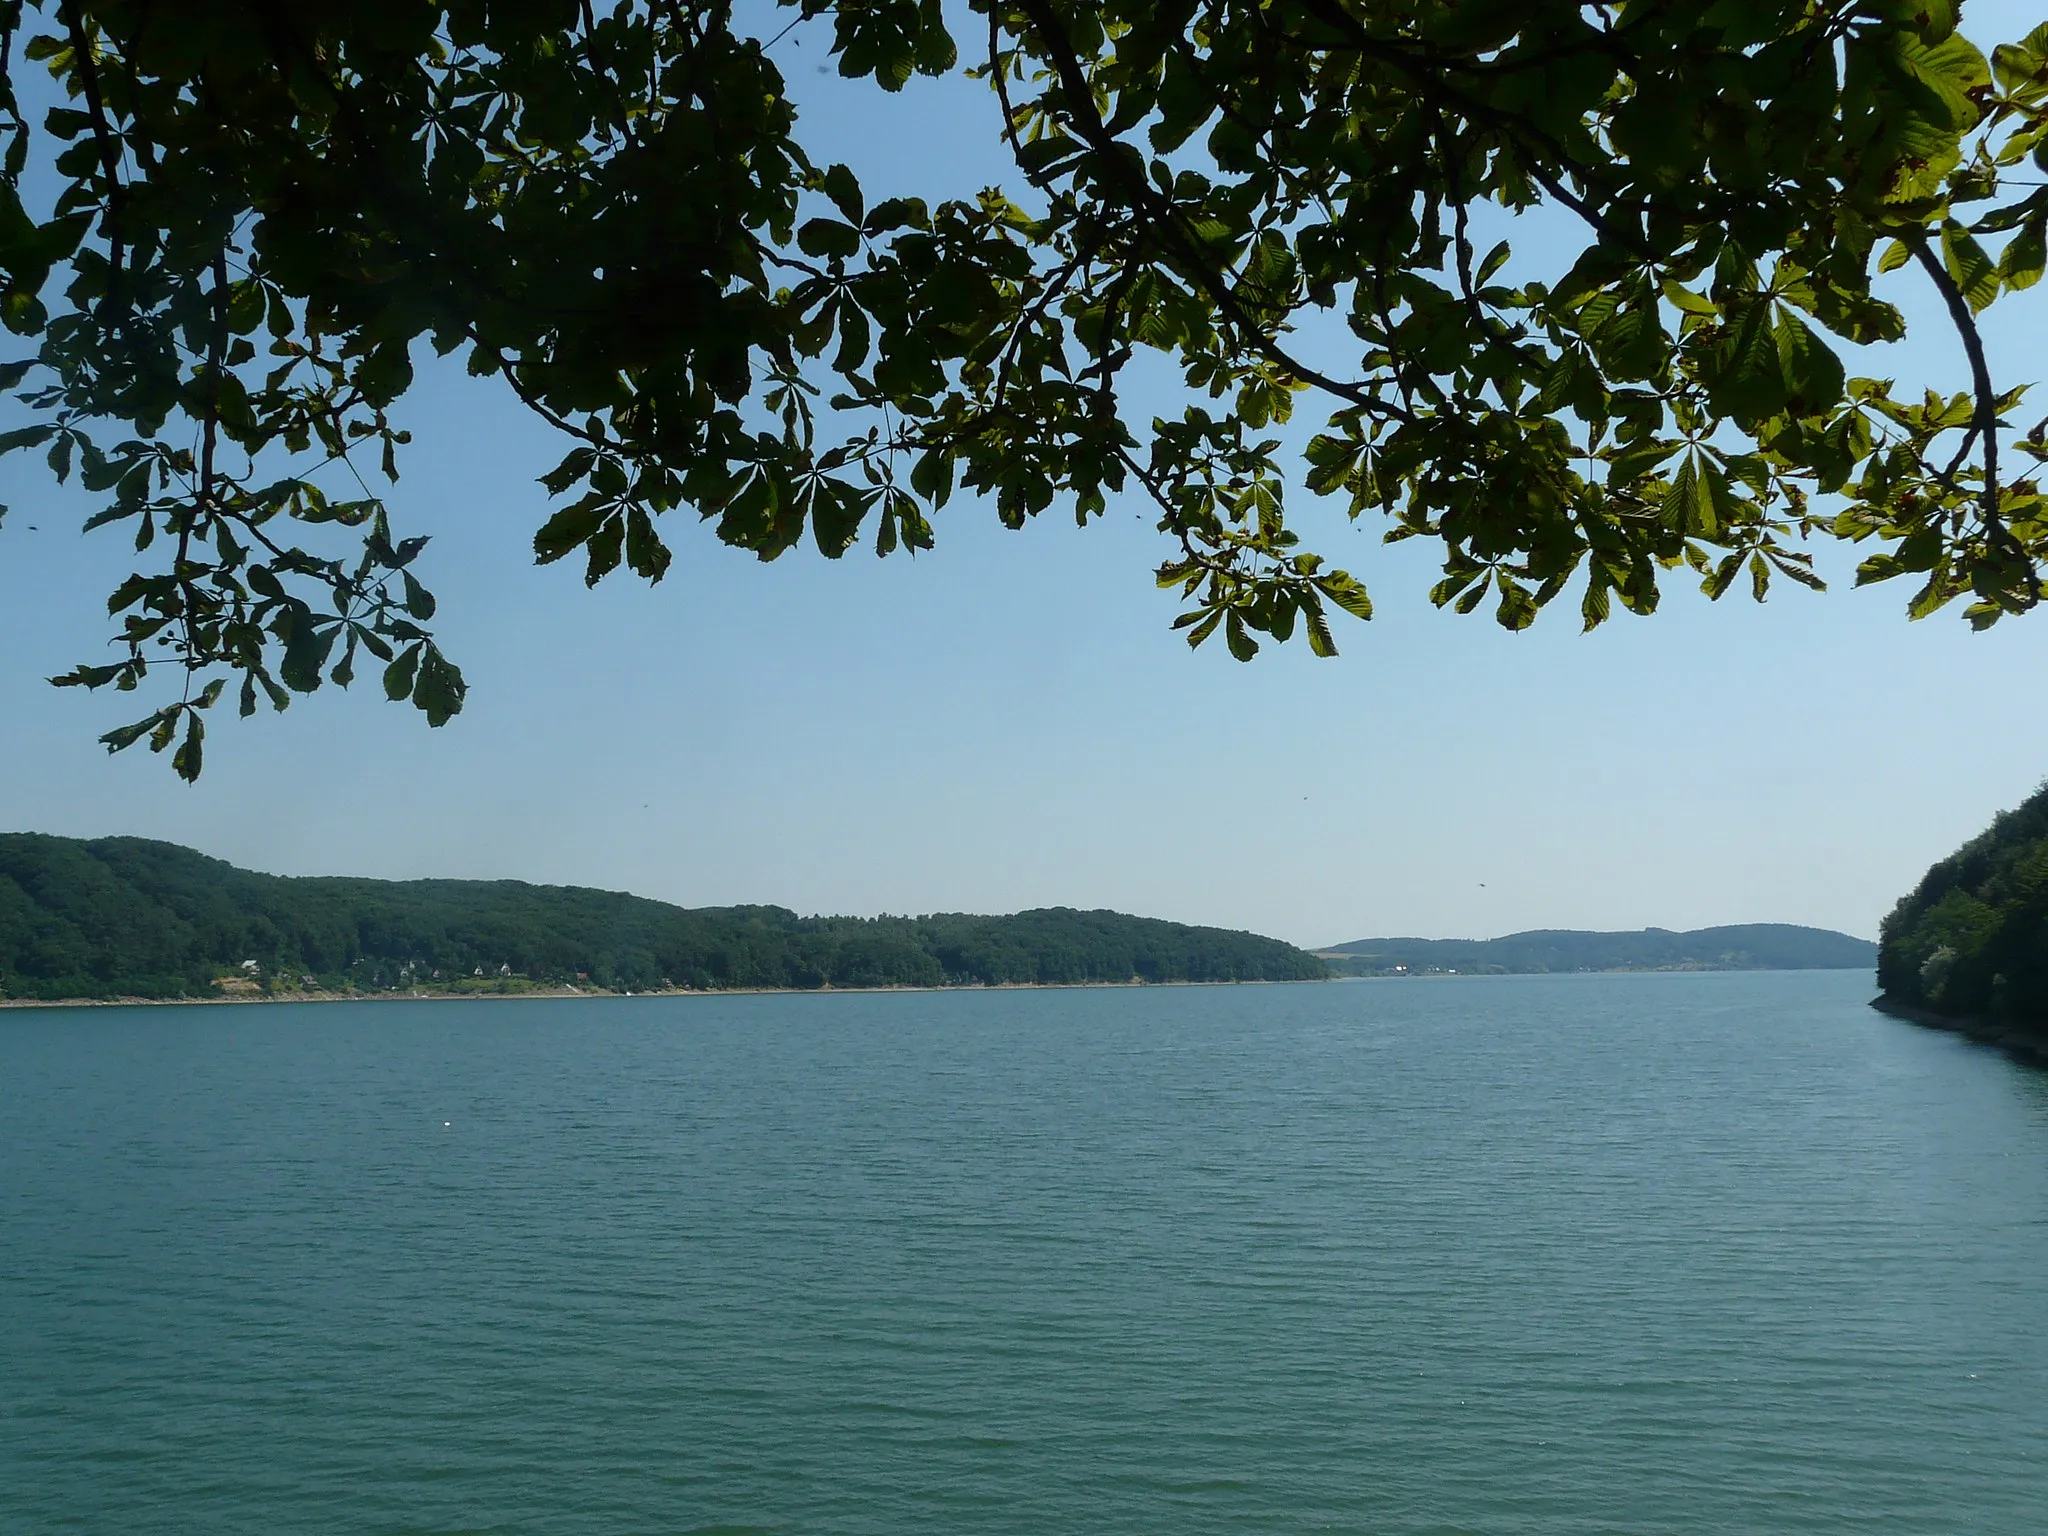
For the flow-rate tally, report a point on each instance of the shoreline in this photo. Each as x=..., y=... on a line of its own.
x=2028, y=1046
x=559, y=993
x=564, y=992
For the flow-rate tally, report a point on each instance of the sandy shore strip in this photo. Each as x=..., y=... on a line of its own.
x=239, y=999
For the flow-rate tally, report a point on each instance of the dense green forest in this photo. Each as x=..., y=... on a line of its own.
x=1971, y=940
x=1741, y=947
x=126, y=917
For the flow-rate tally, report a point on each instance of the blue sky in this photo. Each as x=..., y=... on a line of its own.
x=1008, y=722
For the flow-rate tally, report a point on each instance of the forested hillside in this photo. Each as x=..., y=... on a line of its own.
x=1738, y=947
x=1971, y=940
x=132, y=918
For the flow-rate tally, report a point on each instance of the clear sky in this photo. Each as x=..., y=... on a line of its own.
x=1008, y=722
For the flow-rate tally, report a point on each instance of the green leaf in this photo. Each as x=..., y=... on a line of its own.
x=931, y=476
x=1450, y=586
x=190, y=757
x=1639, y=458
x=1320, y=641
x=569, y=471
x=604, y=548
x=87, y=677
x=844, y=190
x=1948, y=69
x=1974, y=272
x=1930, y=598
x=1813, y=374
x=1746, y=378
x=835, y=510
x=440, y=689
x=854, y=337
x=2015, y=67
x=400, y=675
x=1203, y=626
x=2025, y=255
x=1238, y=638
x=124, y=737
x=1682, y=499
x=306, y=649
x=828, y=237
x=419, y=602
x=1594, y=607
x=1343, y=589
x=1717, y=581
x=571, y=527
x=646, y=554
x=1516, y=610
x=1713, y=503
x=247, y=305
x=1631, y=345
x=23, y=313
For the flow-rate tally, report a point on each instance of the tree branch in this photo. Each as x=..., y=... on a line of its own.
x=104, y=136
x=1194, y=263
x=1333, y=15
x=1985, y=424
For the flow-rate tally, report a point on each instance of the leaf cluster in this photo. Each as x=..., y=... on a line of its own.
x=265, y=210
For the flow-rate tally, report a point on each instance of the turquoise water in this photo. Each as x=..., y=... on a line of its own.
x=1693, y=1253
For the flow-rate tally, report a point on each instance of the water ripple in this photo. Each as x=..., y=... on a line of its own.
x=1672, y=1254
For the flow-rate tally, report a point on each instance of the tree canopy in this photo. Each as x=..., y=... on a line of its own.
x=224, y=247
x=126, y=917
x=1970, y=941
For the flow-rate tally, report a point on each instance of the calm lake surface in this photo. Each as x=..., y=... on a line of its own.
x=1681, y=1253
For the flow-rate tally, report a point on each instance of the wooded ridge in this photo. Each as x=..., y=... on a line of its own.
x=128, y=917
x=1737, y=947
x=1969, y=943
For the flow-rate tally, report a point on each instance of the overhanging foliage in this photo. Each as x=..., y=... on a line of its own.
x=264, y=207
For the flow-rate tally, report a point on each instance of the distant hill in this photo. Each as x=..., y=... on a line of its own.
x=1970, y=942
x=1740, y=947
x=125, y=917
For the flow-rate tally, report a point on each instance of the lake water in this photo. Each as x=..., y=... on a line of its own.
x=1675, y=1253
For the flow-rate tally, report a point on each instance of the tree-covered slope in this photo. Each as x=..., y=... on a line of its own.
x=133, y=918
x=1971, y=940
x=1738, y=947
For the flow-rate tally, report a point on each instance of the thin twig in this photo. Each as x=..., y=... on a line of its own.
x=1985, y=424
x=1194, y=262
x=203, y=502
x=104, y=137
x=1335, y=16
